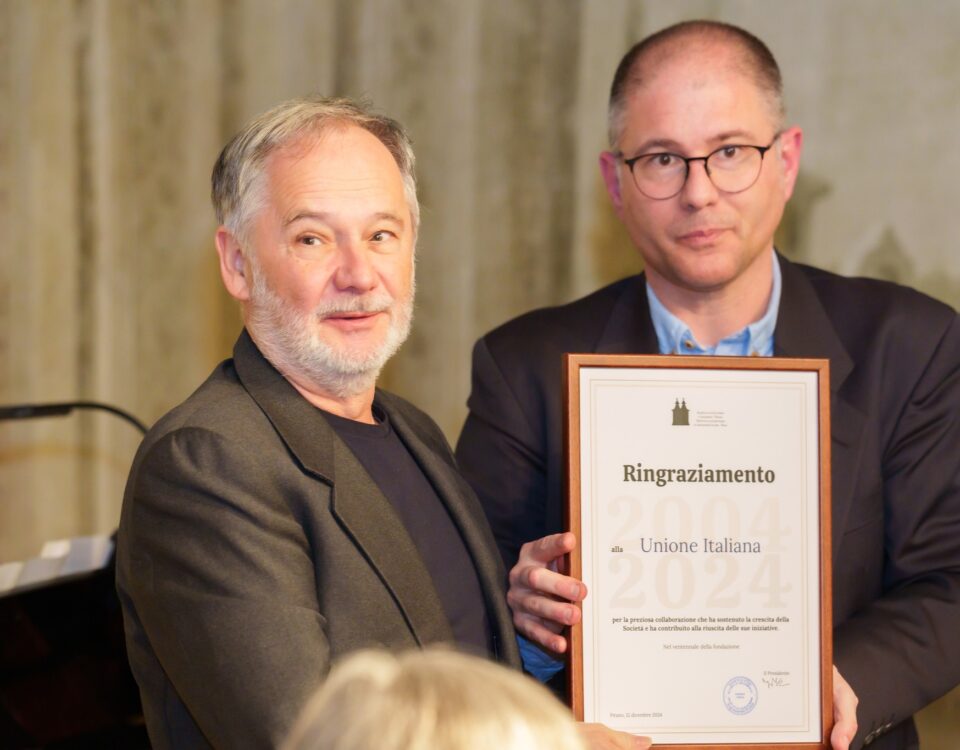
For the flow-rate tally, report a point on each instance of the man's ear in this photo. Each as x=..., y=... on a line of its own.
x=609, y=163
x=234, y=269
x=791, y=146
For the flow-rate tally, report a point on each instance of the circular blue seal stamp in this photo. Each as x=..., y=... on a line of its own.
x=740, y=695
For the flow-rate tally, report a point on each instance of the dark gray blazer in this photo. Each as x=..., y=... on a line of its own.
x=254, y=549
x=895, y=419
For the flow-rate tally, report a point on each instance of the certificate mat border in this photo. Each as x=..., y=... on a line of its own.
x=574, y=564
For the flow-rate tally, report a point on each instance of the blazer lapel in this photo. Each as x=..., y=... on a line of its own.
x=373, y=524
x=468, y=516
x=356, y=501
x=629, y=329
x=805, y=330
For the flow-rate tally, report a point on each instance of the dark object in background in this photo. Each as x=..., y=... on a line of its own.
x=65, y=683
x=64, y=677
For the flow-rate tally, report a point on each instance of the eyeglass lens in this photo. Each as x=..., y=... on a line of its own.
x=732, y=169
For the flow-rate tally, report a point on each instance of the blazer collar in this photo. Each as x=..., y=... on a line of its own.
x=803, y=327
x=306, y=433
x=356, y=500
x=629, y=328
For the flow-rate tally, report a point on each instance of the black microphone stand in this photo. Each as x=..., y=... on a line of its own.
x=63, y=408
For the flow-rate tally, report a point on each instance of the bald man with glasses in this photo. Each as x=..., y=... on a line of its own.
x=699, y=171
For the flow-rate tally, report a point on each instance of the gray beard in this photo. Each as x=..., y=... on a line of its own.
x=292, y=342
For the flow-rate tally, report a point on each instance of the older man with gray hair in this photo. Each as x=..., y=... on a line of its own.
x=289, y=512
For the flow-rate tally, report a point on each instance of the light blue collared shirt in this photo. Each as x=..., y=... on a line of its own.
x=675, y=337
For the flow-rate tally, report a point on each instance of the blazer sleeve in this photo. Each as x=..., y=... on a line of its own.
x=501, y=454
x=902, y=651
x=222, y=581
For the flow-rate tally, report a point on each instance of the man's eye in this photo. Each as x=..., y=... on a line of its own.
x=660, y=161
x=729, y=152
x=382, y=236
x=309, y=240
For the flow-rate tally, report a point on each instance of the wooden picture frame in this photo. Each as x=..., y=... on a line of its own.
x=617, y=403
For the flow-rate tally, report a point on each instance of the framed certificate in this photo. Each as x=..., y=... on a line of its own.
x=699, y=490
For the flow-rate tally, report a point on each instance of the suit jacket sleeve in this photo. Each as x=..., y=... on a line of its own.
x=500, y=453
x=224, y=586
x=902, y=650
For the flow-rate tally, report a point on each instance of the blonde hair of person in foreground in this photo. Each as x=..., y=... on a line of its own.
x=431, y=700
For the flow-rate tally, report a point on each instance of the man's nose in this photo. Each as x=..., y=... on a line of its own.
x=355, y=269
x=698, y=191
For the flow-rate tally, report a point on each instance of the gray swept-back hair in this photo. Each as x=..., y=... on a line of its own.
x=755, y=59
x=237, y=180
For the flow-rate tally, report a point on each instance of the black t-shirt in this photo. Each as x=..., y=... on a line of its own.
x=398, y=475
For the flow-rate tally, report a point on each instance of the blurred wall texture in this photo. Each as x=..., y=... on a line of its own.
x=113, y=111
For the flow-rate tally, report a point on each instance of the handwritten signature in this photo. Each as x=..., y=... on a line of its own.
x=775, y=682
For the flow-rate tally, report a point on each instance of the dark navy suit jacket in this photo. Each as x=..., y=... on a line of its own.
x=895, y=412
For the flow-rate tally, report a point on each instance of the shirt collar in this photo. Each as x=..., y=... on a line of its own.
x=675, y=337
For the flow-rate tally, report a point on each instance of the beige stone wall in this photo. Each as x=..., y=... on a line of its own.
x=112, y=112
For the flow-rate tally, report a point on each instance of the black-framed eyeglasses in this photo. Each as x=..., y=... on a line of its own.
x=732, y=168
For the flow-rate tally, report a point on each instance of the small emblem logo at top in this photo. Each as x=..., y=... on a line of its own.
x=681, y=414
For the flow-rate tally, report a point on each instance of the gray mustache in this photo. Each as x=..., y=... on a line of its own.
x=372, y=303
